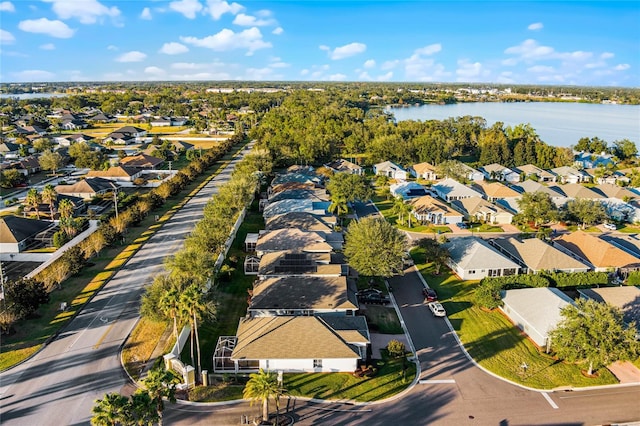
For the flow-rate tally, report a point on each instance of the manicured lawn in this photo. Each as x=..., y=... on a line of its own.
x=496, y=344
x=388, y=381
x=485, y=227
x=630, y=229
x=382, y=319
x=386, y=209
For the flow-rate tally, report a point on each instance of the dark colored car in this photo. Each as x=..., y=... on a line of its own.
x=462, y=225
x=373, y=298
x=429, y=294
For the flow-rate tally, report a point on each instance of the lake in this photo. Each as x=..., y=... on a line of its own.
x=557, y=123
x=32, y=95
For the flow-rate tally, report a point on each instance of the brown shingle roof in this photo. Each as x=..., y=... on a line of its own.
x=496, y=190
x=309, y=292
x=428, y=204
x=288, y=338
x=596, y=251
x=538, y=255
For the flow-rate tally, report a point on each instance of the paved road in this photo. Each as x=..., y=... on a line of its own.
x=58, y=386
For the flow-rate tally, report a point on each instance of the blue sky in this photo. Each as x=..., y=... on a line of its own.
x=512, y=42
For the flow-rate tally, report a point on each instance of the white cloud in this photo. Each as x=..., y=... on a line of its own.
x=86, y=11
x=346, y=51
x=146, y=14
x=192, y=66
x=277, y=31
x=428, y=50
x=385, y=77
x=541, y=68
x=173, y=48
x=112, y=47
x=189, y=8
x=279, y=64
x=470, y=71
x=337, y=77
x=536, y=26
x=225, y=40
x=48, y=46
x=509, y=62
x=622, y=67
x=530, y=49
x=606, y=55
x=7, y=6
x=154, y=70
x=6, y=37
x=33, y=75
x=202, y=76
x=217, y=8
x=364, y=76
x=369, y=63
x=388, y=65
x=55, y=28
x=324, y=47
x=133, y=56
x=304, y=72
x=251, y=21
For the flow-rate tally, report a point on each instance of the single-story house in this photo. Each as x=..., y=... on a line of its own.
x=471, y=173
x=298, y=344
x=18, y=233
x=494, y=191
x=87, y=188
x=626, y=297
x=130, y=132
x=390, y=170
x=319, y=195
x=600, y=254
x=478, y=208
x=473, y=258
x=407, y=190
x=345, y=166
x=566, y=174
x=541, y=175
x=531, y=186
x=288, y=206
x=588, y=160
x=303, y=296
x=142, y=161
x=429, y=209
x=500, y=172
x=300, y=176
x=575, y=191
x=117, y=173
x=275, y=189
x=535, y=255
x=301, y=220
x=627, y=242
x=281, y=263
x=615, y=191
x=292, y=239
x=536, y=311
x=450, y=189
x=426, y=171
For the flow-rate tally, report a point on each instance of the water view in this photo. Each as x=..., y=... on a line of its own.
x=558, y=124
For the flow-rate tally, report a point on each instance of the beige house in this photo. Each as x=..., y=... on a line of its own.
x=534, y=256
x=476, y=208
x=426, y=171
x=429, y=209
x=600, y=254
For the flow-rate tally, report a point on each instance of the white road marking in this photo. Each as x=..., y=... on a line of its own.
x=429, y=382
x=549, y=400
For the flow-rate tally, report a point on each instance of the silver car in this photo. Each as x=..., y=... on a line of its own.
x=437, y=309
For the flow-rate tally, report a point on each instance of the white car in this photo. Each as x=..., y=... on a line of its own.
x=610, y=226
x=437, y=309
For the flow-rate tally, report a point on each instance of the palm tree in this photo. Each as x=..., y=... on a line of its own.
x=261, y=387
x=33, y=200
x=110, y=410
x=194, y=306
x=338, y=206
x=142, y=410
x=65, y=208
x=49, y=196
x=169, y=304
x=160, y=384
x=401, y=209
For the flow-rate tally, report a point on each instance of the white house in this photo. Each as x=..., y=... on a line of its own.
x=473, y=258
x=500, y=172
x=426, y=171
x=407, y=190
x=536, y=311
x=450, y=189
x=391, y=170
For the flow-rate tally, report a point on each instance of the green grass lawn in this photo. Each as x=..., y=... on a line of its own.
x=485, y=227
x=388, y=381
x=386, y=209
x=495, y=343
x=382, y=319
x=630, y=229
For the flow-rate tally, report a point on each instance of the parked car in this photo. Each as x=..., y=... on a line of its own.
x=429, y=294
x=368, y=291
x=437, y=309
x=462, y=225
x=374, y=298
x=610, y=226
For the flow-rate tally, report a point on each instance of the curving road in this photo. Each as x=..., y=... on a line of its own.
x=58, y=385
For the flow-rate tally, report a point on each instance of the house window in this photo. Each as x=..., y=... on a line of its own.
x=317, y=363
x=494, y=272
x=509, y=271
x=472, y=272
x=266, y=364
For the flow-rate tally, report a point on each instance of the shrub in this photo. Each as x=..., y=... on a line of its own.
x=396, y=348
x=60, y=238
x=633, y=278
x=487, y=294
x=578, y=279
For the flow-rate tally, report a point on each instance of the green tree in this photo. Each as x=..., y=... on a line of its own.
x=434, y=252
x=452, y=169
x=624, y=149
x=160, y=384
x=141, y=410
x=25, y=295
x=33, y=200
x=349, y=187
x=42, y=144
x=595, y=334
x=262, y=386
x=403, y=210
x=169, y=304
x=49, y=196
x=111, y=410
x=586, y=211
x=191, y=266
x=195, y=306
x=50, y=160
x=10, y=178
x=537, y=207
x=375, y=248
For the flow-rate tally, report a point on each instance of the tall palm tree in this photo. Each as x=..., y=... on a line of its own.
x=33, y=200
x=49, y=196
x=169, y=304
x=110, y=410
x=160, y=384
x=261, y=387
x=194, y=306
x=65, y=208
x=402, y=209
x=142, y=410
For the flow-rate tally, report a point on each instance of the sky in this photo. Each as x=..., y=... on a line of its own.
x=583, y=43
